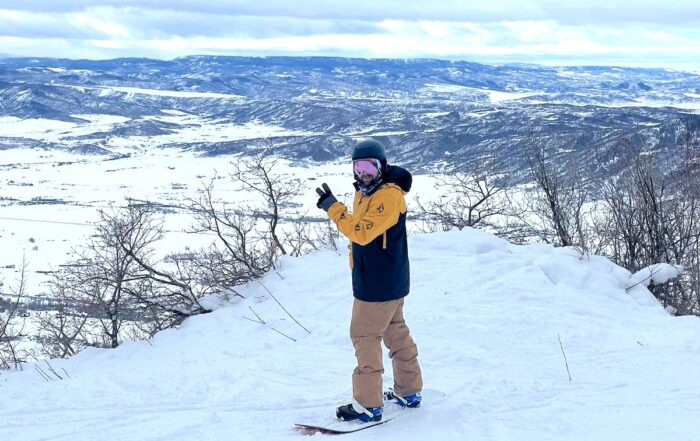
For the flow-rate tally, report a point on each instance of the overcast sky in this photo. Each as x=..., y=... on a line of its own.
x=590, y=32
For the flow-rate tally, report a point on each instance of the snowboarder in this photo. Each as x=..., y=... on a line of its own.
x=376, y=229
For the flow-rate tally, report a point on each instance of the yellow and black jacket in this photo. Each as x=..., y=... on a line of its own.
x=377, y=229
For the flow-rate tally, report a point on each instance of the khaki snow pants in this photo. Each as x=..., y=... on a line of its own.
x=371, y=323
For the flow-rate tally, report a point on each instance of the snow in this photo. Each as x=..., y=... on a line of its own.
x=658, y=274
x=131, y=91
x=53, y=130
x=659, y=104
x=487, y=317
x=86, y=184
x=495, y=96
x=435, y=114
x=498, y=96
x=72, y=71
x=213, y=131
x=447, y=88
x=173, y=93
x=35, y=128
x=192, y=128
x=374, y=132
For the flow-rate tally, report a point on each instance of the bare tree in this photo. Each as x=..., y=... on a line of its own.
x=258, y=174
x=114, y=280
x=467, y=200
x=306, y=235
x=239, y=253
x=65, y=331
x=167, y=296
x=248, y=237
x=12, y=324
x=162, y=293
x=654, y=217
x=554, y=210
x=97, y=280
x=693, y=277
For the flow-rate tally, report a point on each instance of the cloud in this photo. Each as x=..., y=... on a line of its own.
x=151, y=23
x=140, y=23
x=590, y=12
x=642, y=32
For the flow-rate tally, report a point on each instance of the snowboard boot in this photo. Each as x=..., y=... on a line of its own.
x=354, y=411
x=411, y=401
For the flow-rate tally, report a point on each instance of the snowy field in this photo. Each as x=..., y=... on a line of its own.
x=487, y=316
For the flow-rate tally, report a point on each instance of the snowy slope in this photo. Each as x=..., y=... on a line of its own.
x=486, y=316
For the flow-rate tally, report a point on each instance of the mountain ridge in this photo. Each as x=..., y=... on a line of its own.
x=437, y=113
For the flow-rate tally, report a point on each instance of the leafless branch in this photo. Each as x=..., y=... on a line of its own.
x=285, y=309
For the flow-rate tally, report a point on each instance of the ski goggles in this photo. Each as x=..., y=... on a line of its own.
x=367, y=167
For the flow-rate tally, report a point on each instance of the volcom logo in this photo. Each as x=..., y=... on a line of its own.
x=380, y=208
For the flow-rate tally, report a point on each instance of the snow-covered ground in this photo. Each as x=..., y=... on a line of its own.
x=488, y=318
x=193, y=129
x=689, y=101
x=156, y=92
x=494, y=96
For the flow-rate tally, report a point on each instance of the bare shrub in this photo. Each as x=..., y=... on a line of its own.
x=249, y=237
x=466, y=200
x=96, y=283
x=113, y=281
x=240, y=252
x=65, y=331
x=554, y=209
x=12, y=324
x=258, y=175
x=654, y=217
x=305, y=235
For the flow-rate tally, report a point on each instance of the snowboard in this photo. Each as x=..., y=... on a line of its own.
x=338, y=427
x=392, y=411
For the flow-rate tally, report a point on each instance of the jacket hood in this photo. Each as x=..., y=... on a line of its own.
x=399, y=176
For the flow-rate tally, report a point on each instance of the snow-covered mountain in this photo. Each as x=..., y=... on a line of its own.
x=488, y=318
x=431, y=112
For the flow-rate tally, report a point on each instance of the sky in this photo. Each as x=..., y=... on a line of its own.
x=642, y=33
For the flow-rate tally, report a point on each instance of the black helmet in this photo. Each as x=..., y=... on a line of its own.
x=369, y=148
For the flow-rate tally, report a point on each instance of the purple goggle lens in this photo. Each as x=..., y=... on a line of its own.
x=368, y=167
